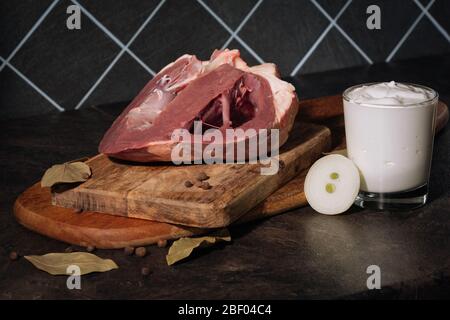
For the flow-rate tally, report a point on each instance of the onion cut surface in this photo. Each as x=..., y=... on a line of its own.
x=332, y=184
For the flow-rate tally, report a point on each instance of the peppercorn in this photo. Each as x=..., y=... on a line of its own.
x=13, y=255
x=141, y=251
x=201, y=176
x=162, y=243
x=205, y=185
x=145, y=271
x=128, y=251
x=188, y=184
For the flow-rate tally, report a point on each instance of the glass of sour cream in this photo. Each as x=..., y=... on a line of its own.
x=389, y=130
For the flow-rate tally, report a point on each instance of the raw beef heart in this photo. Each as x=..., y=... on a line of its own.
x=221, y=93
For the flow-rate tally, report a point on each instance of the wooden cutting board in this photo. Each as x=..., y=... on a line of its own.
x=158, y=192
x=34, y=210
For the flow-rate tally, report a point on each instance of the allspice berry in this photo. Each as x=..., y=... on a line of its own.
x=13, y=255
x=141, y=251
x=90, y=248
x=201, y=176
x=145, y=271
x=162, y=243
x=128, y=251
x=205, y=185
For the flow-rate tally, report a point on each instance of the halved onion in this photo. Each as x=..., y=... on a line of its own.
x=332, y=184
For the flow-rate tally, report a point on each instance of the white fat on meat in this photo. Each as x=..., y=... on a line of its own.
x=220, y=57
x=283, y=92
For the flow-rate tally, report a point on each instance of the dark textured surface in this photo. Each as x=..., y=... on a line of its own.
x=300, y=254
x=76, y=68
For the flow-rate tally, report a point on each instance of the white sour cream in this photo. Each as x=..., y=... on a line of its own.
x=389, y=132
x=390, y=94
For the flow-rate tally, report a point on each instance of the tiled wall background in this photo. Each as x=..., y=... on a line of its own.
x=44, y=67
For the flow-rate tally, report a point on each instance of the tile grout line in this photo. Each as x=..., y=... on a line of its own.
x=408, y=32
x=119, y=55
x=113, y=37
x=29, y=33
x=319, y=40
x=34, y=86
x=310, y=51
x=346, y=36
x=99, y=80
x=433, y=21
x=233, y=35
x=228, y=29
x=353, y=43
x=249, y=49
x=242, y=24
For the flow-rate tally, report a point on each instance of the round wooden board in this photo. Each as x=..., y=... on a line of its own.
x=33, y=208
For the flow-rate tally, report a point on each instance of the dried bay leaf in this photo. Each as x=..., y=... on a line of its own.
x=342, y=152
x=57, y=263
x=66, y=173
x=183, y=247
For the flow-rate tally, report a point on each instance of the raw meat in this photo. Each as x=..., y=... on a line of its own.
x=221, y=93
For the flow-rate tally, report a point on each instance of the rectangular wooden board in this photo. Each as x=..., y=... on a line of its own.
x=157, y=191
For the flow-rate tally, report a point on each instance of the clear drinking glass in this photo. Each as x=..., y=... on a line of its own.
x=392, y=145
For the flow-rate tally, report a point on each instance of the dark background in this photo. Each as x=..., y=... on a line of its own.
x=51, y=68
x=299, y=254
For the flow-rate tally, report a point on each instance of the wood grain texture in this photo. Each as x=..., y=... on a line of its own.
x=157, y=191
x=33, y=208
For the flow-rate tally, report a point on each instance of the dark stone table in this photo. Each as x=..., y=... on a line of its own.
x=300, y=254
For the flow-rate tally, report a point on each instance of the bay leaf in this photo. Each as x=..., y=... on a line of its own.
x=183, y=247
x=342, y=152
x=66, y=173
x=57, y=263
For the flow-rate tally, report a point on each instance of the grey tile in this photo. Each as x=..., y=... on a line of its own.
x=232, y=12
x=396, y=18
x=180, y=27
x=65, y=63
x=425, y=40
x=16, y=19
x=18, y=99
x=122, y=17
x=283, y=31
x=424, y=2
x=440, y=10
x=122, y=83
x=334, y=52
x=332, y=7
